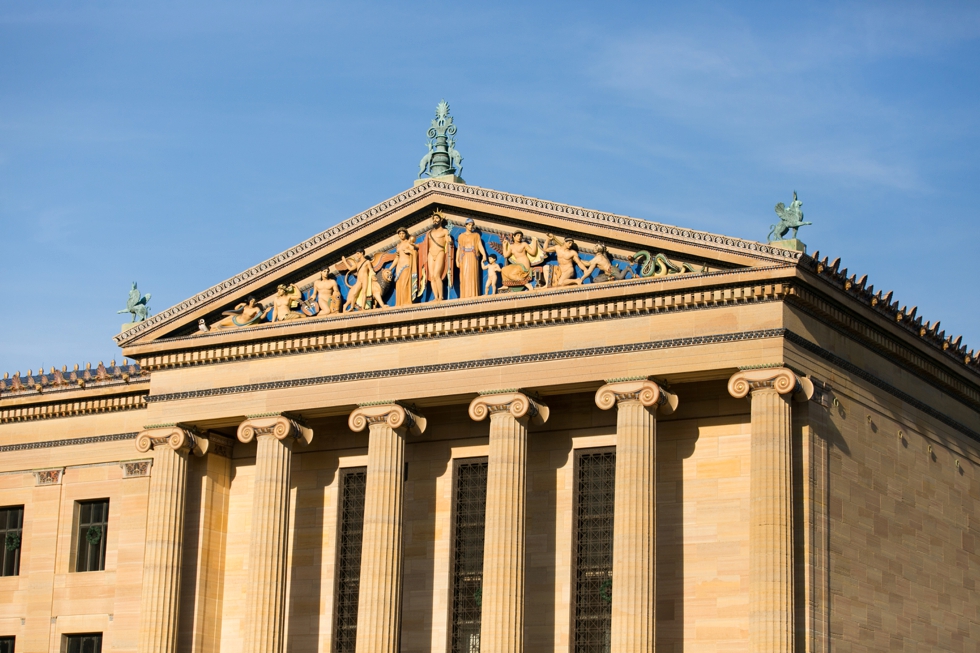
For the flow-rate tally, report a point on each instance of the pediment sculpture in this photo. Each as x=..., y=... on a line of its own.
x=442, y=259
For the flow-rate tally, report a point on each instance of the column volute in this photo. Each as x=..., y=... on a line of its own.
x=641, y=390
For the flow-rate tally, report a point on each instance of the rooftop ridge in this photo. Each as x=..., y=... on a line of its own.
x=883, y=304
x=63, y=378
x=417, y=193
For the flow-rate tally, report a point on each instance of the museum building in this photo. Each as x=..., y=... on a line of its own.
x=466, y=420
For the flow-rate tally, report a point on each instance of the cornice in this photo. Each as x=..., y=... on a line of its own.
x=422, y=192
x=73, y=408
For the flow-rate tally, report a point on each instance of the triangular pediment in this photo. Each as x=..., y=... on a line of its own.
x=634, y=248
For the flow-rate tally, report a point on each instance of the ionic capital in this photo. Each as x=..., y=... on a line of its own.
x=518, y=404
x=392, y=413
x=780, y=379
x=178, y=438
x=278, y=426
x=643, y=391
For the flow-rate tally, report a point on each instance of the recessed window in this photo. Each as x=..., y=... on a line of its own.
x=93, y=524
x=6, y=645
x=352, y=486
x=594, y=502
x=11, y=531
x=469, y=525
x=83, y=643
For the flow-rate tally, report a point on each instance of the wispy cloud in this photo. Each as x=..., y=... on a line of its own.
x=804, y=91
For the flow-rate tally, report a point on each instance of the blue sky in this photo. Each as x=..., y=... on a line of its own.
x=178, y=144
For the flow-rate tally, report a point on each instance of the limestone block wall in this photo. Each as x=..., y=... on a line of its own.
x=891, y=530
x=903, y=533
x=47, y=598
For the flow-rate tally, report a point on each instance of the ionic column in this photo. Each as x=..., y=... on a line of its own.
x=265, y=593
x=160, y=597
x=635, y=510
x=380, y=590
x=502, y=629
x=771, y=504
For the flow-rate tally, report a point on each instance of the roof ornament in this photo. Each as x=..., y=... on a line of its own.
x=137, y=305
x=442, y=159
x=789, y=218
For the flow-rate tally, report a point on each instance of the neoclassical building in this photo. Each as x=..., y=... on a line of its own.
x=613, y=435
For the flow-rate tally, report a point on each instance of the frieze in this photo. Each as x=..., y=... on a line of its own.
x=485, y=196
x=49, y=476
x=50, y=444
x=849, y=367
x=472, y=364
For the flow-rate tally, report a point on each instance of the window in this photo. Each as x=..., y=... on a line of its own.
x=470, y=516
x=86, y=643
x=93, y=523
x=11, y=528
x=353, y=484
x=594, y=493
x=6, y=645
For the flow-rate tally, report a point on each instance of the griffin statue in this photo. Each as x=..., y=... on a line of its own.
x=137, y=305
x=790, y=217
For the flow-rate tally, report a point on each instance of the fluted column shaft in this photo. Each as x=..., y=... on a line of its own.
x=771, y=524
x=268, y=539
x=502, y=621
x=771, y=627
x=380, y=590
x=635, y=511
x=160, y=593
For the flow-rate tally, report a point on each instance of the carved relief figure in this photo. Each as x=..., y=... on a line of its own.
x=244, y=314
x=406, y=270
x=522, y=257
x=287, y=298
x=366, y=287
x=326, y=294
x=468, y=259
x=493, y=275
x=600, y=260
x=436, y=253
x=566, y=251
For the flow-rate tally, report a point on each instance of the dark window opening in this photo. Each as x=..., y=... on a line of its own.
x=470, y=514
x=84, y=643
x=353, y=484
x=594, y=503
x=6, y=645
x=93, y=526
x=11, y=532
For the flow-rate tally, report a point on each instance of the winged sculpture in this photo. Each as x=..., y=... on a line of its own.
x=137, y=305
x=789, y=218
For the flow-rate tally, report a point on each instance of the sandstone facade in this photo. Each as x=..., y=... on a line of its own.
x=797, y=460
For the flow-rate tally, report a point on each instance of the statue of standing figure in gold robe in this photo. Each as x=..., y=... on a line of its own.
x=469, y=254
x=406, y=270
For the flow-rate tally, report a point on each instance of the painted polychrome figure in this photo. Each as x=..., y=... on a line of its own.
x=469, y=255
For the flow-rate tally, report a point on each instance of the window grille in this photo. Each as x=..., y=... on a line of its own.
x=595, y=491
x=11, y=531
x=353, y=485
x=87, y=643
x=93, y=526
x=470, y=509
x=6, y=645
